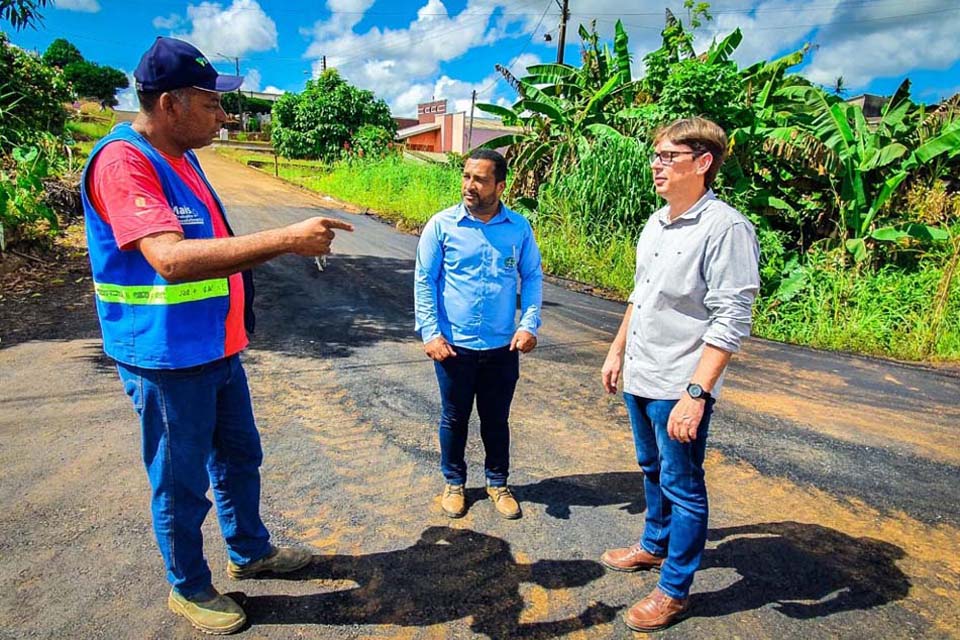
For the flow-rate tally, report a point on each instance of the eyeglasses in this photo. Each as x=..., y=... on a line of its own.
x=667, y=158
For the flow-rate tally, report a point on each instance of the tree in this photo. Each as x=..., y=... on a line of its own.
x=322, y=121
x=31, y=96
x=91, y=80
x=22, y=13
x=60, y=53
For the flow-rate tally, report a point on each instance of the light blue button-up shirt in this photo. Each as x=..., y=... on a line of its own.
x=466, y=279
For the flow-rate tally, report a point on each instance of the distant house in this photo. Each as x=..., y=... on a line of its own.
x=271, y=97
x=436, y=131
x=872, y=105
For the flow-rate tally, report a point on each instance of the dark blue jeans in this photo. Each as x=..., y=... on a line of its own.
x=675, y=491
x=197, y=426
x=490, y=376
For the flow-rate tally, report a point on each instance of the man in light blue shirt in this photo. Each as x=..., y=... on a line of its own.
x=469, y=261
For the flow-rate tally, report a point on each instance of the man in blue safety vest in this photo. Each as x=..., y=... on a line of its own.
x=174, y=296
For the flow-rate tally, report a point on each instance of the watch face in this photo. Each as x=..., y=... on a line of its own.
x=695, y=390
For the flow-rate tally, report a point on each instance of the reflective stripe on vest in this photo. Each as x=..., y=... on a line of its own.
x=163, y=293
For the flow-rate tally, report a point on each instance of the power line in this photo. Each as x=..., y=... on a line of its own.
x=805, y=26
x=522, y=51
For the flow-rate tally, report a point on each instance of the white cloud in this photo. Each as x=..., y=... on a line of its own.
x=273, y=89
x=170, y=22
x=251, y=80
x=83, y=6
x=402, y=65
x=889, y=40
x=241, y=28
x=127, y=98
x=458, y=93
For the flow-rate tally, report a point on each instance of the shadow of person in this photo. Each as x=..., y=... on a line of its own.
x=805, y=570
x=448, y=574
x=586, y=490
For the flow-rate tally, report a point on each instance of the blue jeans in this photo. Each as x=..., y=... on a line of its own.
x=675, y=491
x=490, y=376
x=198, y=428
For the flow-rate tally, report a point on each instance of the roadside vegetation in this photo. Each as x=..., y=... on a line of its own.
x=858, y=219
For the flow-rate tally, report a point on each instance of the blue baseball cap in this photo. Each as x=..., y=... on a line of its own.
x=174, y=64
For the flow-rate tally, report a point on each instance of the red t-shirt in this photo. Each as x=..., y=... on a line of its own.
x=125, y=190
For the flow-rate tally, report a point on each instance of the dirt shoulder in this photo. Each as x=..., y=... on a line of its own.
x=47, y=293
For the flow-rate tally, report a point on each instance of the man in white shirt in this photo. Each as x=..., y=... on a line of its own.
x=696, y=279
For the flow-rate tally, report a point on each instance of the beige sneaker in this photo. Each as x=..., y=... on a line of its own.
x=210, y=612
x=454, y=501
x=507, y=506
x=279, y=560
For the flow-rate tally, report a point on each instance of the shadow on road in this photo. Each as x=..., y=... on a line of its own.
x=586, y=490
x=448, y=574
x=804, y=570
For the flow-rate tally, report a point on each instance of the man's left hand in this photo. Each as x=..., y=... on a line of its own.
x=685, y=419
x=523, y=341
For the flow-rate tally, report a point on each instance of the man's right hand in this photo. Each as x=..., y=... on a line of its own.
x=439, y=349
x=313, y=236
x=611, y=371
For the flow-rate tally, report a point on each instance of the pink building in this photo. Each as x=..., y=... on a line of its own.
x=437, y=131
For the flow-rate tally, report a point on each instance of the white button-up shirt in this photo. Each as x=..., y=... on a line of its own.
x=695, y=283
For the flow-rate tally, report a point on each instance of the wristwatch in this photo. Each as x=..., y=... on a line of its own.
x=697, y=392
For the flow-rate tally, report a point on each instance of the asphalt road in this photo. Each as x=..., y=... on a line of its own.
x=835, y=492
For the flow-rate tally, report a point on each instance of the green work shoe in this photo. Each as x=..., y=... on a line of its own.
x=209, y=611
x=279, y=560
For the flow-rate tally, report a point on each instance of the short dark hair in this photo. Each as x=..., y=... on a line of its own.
x=499, y=164
x=149, y=99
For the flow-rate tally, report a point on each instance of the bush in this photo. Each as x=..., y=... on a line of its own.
x=371, y=142
x=31, y=97
x=22, y=195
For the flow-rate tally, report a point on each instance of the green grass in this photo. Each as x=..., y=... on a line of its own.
x=888, y=312
x=393, y=187
x=89, y=130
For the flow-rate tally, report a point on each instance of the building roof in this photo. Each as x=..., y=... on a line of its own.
x=491, y=125
x=409, y=132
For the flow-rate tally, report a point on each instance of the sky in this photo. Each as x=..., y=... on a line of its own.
x=412, y=51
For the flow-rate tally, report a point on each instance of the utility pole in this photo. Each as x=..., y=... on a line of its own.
x=236, y=61
x=564, y=16
x=239, y=97
x=473, y=103
x=323, y=63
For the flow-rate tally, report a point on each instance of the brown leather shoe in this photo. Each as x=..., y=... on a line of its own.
x=504, y=502
x=454, y=502
x=634, y=558
x=656, y=611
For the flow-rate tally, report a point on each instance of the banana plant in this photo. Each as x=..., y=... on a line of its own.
x=560, y=105
x=865, y=163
